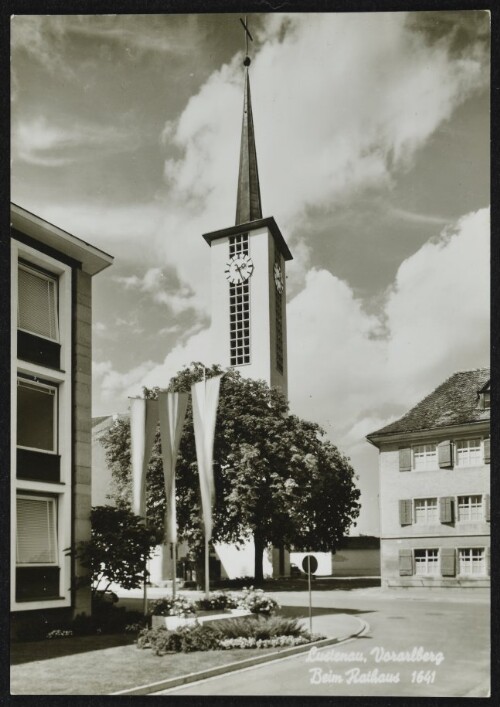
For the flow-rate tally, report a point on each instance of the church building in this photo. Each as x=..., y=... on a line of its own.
x=248, y=286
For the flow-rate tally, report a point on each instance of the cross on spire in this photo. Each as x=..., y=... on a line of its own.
x=247, y=59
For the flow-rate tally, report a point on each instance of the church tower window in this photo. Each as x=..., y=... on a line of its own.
x=239, y=308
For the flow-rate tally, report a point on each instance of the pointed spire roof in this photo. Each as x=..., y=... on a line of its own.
x=248, y=203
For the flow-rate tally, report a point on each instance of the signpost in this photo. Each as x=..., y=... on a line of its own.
x=309, y=564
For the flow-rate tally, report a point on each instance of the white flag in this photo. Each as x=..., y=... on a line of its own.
x=205, y=397
x=172, y=411
x=143, y=421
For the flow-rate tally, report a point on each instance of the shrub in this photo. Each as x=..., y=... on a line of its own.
x=256, y=601
x=196, y=638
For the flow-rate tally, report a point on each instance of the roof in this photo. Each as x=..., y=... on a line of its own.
x=248, y=203
x=267, y=222
x=92, y=259
x=97, y=420
x=454, y=402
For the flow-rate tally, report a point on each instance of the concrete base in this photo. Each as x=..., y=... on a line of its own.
x=172, y=623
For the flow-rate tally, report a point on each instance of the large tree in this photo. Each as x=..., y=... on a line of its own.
x=277, y=479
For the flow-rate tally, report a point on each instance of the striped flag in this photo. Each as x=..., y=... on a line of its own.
x=205, y=397
x=143, y=421
x=172, y=411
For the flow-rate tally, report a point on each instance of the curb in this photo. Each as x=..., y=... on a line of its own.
x=241, y=665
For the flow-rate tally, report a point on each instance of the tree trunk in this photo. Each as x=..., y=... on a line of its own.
x=200, y=570
x=260, y=545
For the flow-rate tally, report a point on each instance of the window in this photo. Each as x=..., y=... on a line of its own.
x=36, y=416
x=426, y=562
x=36, y=531
x=469, y=452
x=239, y=308
x=37, y=303
x=426, y=510
x=470, y=508
x=424, y=457
x=472, y=561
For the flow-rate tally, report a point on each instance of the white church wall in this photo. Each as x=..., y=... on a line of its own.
x=239, y=561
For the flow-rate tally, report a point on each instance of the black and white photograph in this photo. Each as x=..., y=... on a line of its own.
x=250, y=354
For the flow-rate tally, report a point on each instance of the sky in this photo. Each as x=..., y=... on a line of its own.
x=372, y=135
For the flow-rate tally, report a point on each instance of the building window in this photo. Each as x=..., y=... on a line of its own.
x=470, y=508
x=472, y=561
x=426, y=510
x=36, y=539
x=37, y=303
x=426, y=562
x=239, y=308
x=424, y=457
x=469, y=452
x=36, y=416
x=238, y=245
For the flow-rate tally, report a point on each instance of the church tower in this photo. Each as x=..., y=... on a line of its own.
x=248, y=280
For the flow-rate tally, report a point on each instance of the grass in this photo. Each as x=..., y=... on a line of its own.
x=109, y=669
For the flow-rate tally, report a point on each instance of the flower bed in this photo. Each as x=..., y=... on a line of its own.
x=242, y=632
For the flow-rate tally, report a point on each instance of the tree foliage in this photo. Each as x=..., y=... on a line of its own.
x=118, y=548
x=276, y=478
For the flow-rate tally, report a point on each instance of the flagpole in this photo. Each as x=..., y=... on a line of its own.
x=174, y=568
x=207, y=561
x=207, y=577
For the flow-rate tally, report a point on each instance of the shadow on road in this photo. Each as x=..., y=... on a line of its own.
x=303, y=611
x=325, y=584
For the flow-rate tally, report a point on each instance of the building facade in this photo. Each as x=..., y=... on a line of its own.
x=51, y=309
x=434, y=488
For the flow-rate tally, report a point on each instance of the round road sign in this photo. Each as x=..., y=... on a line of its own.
x=313, y=563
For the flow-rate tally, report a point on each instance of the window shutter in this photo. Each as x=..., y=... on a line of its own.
x=486, y=450
x=488, y=560
x=486, y=506
x=448, y=561
x=37, y=303
x=405, y=562
x=36, y=541
x=445, y=455
x=405, y=459
x=405, y=512
x=446, y=509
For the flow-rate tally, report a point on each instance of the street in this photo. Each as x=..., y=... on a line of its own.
x=427, y=646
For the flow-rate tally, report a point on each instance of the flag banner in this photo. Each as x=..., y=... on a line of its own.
x=143, y=421
x=205, y=397
x=172, y=412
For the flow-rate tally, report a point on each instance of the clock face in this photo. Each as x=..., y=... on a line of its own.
x=239, y=269
x=278, y=278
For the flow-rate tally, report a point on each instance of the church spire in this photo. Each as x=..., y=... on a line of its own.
x=248, y=203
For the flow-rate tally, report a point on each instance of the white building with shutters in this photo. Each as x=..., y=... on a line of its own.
x=51, y=317
x=434, y=488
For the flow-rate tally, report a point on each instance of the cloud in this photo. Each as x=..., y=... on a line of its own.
x=343, y=372
x=39, y=142
x=115, y=387
x=435, y=318
x=412, y=217
x=179, y=299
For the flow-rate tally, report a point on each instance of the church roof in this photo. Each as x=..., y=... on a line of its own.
x=248, y=202
x=454, y=402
